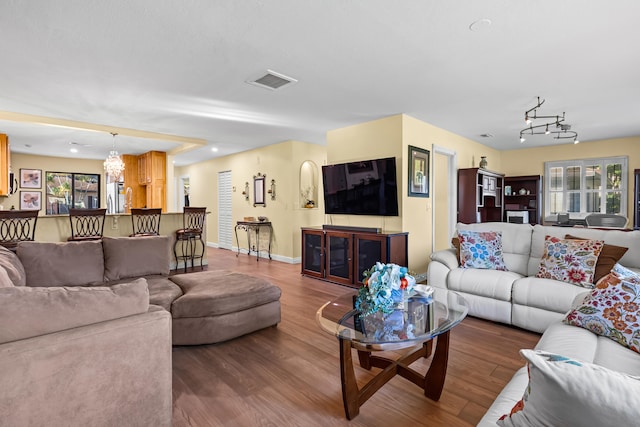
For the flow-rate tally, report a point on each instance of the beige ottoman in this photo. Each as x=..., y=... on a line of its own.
x=221, y=305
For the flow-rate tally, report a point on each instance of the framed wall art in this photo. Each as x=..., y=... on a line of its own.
x=31, y=178
x=418, y=172
x=30, y=200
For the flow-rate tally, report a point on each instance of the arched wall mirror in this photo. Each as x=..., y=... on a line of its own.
x=308, y=184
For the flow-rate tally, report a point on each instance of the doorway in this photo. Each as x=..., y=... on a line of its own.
x=445, y=195
x=225, y=211
x=182, y=190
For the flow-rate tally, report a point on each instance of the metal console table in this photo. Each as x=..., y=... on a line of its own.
x=254, y=226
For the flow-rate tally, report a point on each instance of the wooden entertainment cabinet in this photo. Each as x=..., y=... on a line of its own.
x=341, y=254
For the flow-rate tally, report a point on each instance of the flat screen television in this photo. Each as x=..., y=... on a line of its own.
x=367, y=187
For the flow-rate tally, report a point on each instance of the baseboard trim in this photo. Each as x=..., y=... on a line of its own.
x=263, y=254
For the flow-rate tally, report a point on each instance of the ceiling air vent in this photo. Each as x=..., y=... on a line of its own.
x=272, y=80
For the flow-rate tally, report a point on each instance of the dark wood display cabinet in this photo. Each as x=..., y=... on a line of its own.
x=342, y=255
x=636, y=199
x=523, y=194
x=479, y=195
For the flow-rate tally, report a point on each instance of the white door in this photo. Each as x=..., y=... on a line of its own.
x=182, y=192
x=225, y=216
x=444, y=208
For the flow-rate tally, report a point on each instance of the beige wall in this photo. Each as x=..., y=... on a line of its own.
x=417, y=215
x=366, y=141
x=280, y=162
x=386, y=137
x=52, y=164
x=530, y=161
x=391, y=136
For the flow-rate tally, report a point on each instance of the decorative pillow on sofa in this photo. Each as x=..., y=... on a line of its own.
x=5, y=280
x=568, y=260
x=481, y=249
x=626, y=274
x=126, y=257
x=62, y=263
x=612, y=310
x=10, y=262
x=609, y=256
x=566, y=392
x=455, y=242
x=32, y=311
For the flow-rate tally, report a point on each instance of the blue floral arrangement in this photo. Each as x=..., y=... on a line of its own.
x=384, y=285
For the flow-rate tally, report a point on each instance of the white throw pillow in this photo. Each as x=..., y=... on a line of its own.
x=566, y=392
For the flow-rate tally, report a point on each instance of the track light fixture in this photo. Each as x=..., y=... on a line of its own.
x=562, y=130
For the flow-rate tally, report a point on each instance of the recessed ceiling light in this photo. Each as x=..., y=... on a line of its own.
x=74, y=150
x=214, y=149
x=480, y=25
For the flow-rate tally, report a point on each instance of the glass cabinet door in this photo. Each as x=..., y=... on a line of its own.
x=369, y=250
x=313, y=253
x=339, y=261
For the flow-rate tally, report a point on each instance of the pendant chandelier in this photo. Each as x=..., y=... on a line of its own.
x=113, y=165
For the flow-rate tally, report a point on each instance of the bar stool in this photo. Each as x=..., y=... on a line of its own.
x=189, y=234
x=17, y=226
x=86, y=224
x=145, y=222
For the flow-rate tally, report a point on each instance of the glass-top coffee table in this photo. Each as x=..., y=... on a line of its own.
x=416, y=325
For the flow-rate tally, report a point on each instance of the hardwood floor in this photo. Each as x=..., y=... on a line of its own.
x=289, y=375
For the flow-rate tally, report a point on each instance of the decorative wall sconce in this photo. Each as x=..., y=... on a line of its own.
x=272, y=189
x=245, y=193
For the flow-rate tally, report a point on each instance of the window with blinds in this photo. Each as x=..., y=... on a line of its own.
x=581, y=187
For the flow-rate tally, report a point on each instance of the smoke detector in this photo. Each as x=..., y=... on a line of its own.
x=272, y=80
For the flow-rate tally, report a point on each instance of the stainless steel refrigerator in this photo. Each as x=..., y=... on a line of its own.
x=115, y=197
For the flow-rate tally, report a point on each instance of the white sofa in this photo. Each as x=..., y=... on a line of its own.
x=518, y=298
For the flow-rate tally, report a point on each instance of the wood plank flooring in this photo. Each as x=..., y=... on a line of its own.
x=289, y=375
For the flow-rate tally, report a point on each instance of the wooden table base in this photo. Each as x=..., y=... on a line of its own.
x=432, y=383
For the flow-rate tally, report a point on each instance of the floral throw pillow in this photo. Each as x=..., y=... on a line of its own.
x=481, y=249
x=626, y=274
x=612, y=310
x=571, y=261
x=570, y=393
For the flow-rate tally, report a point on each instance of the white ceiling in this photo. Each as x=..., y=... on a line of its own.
x=179, y=67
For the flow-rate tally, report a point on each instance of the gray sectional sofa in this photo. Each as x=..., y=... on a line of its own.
x=86, y=328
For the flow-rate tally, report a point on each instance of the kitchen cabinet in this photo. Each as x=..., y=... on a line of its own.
x=144, y=168
x=5, y=163
x=146, y=175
